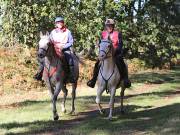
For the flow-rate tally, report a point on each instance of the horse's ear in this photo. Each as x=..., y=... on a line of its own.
x=47, y=33
x=41, y=34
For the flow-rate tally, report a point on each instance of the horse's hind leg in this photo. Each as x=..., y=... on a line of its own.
x=111, y=103
x=65, y=93
x=74, y=86
x=122, y=98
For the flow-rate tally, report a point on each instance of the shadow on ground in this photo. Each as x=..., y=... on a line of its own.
x=154, y=120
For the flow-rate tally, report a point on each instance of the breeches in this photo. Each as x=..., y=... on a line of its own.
x=69, y=58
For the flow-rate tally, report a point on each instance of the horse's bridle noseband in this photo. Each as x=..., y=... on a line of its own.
x=45, y=50
x=106, y=53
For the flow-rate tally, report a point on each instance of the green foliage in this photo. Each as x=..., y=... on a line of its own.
x=154, y=37
x=150, y=31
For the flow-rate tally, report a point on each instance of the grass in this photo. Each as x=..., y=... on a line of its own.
x=152, y=107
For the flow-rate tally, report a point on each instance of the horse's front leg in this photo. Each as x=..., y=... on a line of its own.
x=54, y=100
x=98, y=99
x=51, y=92
x=65, y=93
x=111, y=102
x=74, y=86
x=122, y=98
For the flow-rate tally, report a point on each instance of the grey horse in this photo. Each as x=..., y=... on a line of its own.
x=55, y=75
x=109, y=77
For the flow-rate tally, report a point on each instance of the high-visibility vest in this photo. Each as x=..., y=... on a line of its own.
x=113, y=36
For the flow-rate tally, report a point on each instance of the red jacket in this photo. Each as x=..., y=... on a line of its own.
x=115, y=37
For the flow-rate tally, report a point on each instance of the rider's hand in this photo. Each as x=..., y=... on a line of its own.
x=61, y=48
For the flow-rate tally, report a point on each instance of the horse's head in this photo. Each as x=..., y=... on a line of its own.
x=105, y=49
x=43, y=44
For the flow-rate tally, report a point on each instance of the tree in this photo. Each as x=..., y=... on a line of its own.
x=149, y=27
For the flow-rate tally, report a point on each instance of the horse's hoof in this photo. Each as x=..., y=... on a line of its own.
x=102, y=112
x=72, y=113
x=56, y=117
x=64, y=111
x=122, y=112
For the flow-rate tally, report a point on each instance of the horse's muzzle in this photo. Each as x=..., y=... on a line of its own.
x=41, y=55
x=101, y=57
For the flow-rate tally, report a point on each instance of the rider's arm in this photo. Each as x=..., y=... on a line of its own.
x=69, y=42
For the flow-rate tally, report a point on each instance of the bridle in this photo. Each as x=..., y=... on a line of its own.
x=45, y=50
x=106, y=52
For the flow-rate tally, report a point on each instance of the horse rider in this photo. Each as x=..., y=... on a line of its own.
x=62, y=40
x=116, y=38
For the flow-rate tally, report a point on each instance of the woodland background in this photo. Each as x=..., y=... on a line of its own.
x=150, y=28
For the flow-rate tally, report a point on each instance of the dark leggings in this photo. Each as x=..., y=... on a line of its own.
x=121, y=66
x=69, y=58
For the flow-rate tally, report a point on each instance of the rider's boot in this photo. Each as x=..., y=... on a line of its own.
x=91, y=83
x=123, y=71
x=38, y=75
